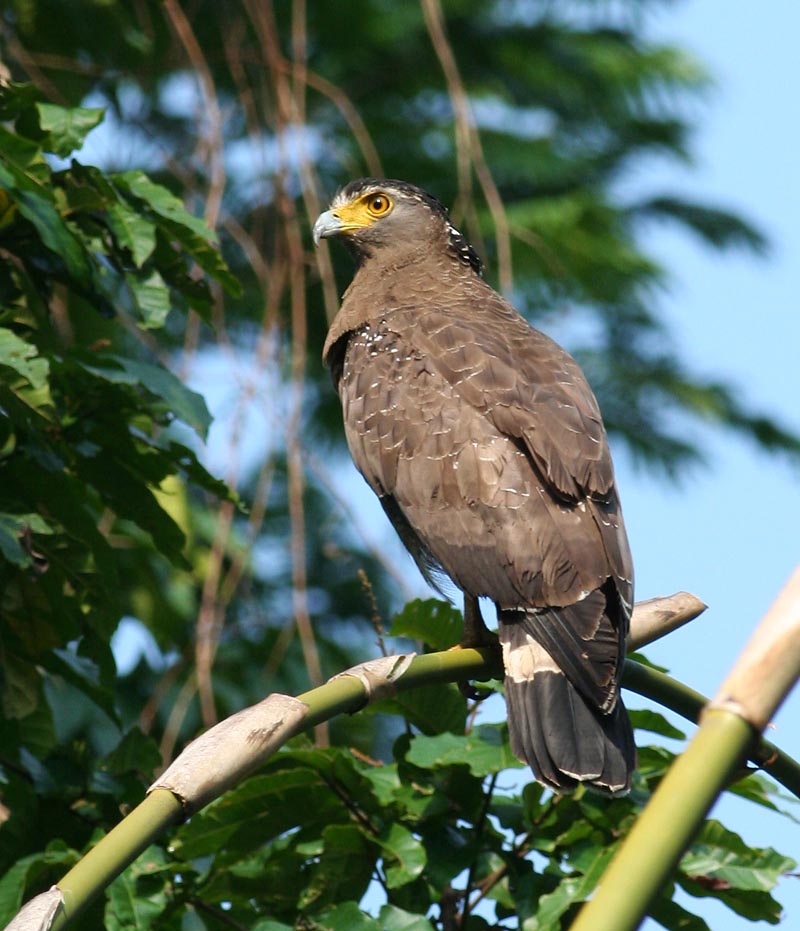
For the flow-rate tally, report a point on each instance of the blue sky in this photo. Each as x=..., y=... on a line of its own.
x=729, y=533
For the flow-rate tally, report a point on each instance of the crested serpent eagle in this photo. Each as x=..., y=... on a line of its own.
x=485, y=445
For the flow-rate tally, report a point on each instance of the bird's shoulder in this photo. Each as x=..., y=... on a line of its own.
x=517, y=376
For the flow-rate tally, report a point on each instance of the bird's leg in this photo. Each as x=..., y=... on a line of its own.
x=475, y=634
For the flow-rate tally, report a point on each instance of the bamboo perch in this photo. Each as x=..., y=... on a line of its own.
x=761, y=678
x=224, y=755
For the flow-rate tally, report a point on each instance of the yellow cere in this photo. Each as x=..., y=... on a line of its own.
x=365, y=210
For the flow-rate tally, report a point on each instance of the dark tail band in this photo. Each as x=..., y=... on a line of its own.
x=553, y=728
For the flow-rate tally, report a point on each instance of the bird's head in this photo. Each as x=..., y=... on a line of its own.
x=373, y=215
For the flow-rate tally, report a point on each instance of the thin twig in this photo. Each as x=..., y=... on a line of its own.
x=176, y=718
x=375, y=617
x=352, y=117
x=212, y=115
x=469, y=148
x=287, y=106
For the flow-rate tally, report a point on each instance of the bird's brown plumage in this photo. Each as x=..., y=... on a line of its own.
x=485, y=444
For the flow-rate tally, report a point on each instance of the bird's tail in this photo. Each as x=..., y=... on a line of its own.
x=554, y=729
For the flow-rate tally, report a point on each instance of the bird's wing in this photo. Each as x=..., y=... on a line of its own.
x=532, y=391
x=470, y=492
x=529, y=386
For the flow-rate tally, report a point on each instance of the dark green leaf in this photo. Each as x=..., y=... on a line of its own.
x=645, y=720
x=344, y=870
x=35, y=203
x=392, y=918
x=67, y=128
x=437, y=623
x=139, y=896
x=28, y=871
x=132, y=231
x=14, y=528
x=674, y=917
x=483, y=750
x=152, y=298
x=187, y=405
x=571, y=890
x=346, y=916
x=404, y=855
x=433, y=709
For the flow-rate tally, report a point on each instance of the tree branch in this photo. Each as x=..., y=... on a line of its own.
x=233, y=749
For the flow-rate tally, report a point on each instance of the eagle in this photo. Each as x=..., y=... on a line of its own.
x=485, y=445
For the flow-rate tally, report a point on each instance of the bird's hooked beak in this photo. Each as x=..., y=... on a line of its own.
x=328, y=224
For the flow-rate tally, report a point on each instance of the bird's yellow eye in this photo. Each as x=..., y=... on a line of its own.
x=378, y=204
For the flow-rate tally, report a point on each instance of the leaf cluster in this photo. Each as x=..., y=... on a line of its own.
x=442, y=834
x=93, y=429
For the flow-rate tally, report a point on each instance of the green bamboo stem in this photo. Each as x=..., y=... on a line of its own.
x=760, y=680
x=685, y=701
x=161, y=809
x=666, y=827
x=348, y=693
x=117, y=850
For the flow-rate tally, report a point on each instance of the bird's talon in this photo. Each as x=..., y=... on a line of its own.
x=469, y=691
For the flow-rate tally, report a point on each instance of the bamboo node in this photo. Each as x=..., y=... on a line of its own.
x=379, y=676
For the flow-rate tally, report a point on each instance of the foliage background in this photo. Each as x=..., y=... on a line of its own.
x=240, y=566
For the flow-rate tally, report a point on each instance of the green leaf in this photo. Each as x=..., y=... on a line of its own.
x=762, y=791
x=570, y=891
x=192, y=232
x=152, y=297
x=84, y=675
x=749, y=903
x=136, y=752
x=721, y=855
x=184, y=403
x=483, y=750
x=16, y=97
x=437, y=623
x=202, y=249
x=12, y=528
x=645, y=720
x=674, y=917
x=404, y=855
x=163, y=202
x=23, y=358
x=261, y=808
x=28, y=872
x=35, y=203
x=432, y=708
x=67, y=128
x=344, y=869
x=139, y=896
x=21, y=686
x=392, y=918
x=132, y=231
x=345, y=917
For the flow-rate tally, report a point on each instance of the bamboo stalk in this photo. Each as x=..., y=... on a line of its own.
x=760, y=679
x=117, y=850
x=649, y=854
x=227, y=753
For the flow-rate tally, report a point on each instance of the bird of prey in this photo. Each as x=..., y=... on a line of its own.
x=485, y=444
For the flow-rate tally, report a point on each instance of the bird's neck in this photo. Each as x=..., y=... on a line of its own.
x=385, y=282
